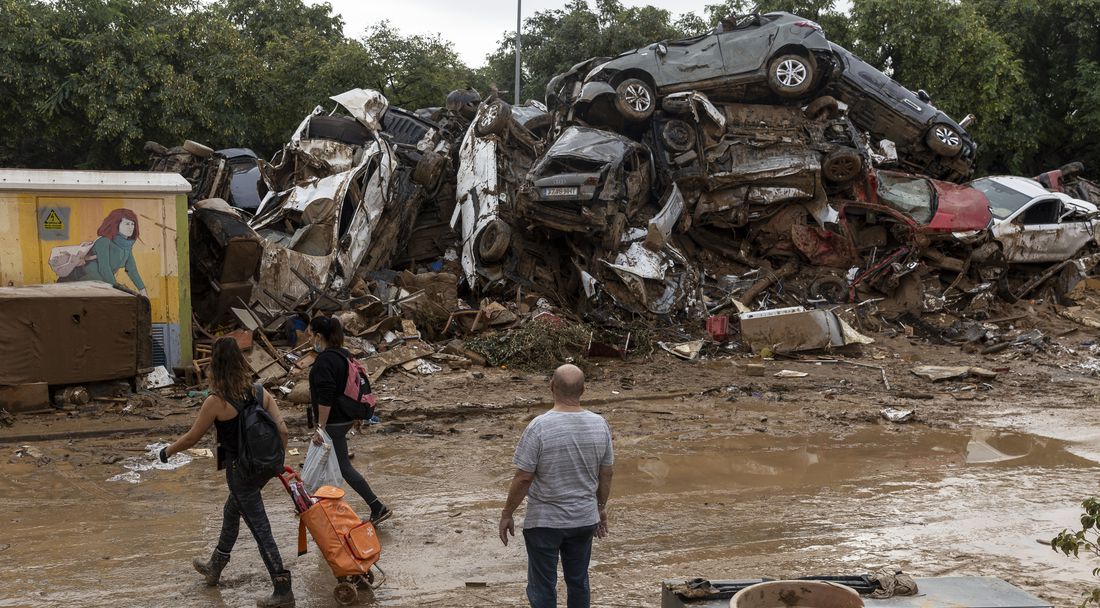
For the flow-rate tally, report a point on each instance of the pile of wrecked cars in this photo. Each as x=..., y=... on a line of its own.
x=755, y=166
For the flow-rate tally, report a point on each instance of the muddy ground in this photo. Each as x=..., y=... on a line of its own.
x=718, y=474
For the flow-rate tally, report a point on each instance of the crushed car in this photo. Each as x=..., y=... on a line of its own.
x=927, y=140
x=743, y=58
x=1035, y=225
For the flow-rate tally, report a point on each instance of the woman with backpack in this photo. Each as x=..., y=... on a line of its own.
x=252, y=440
x=330, y=408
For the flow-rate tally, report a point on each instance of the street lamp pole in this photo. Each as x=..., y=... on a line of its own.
x=519, y=46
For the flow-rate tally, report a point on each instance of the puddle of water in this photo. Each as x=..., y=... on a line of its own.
x=816, y=461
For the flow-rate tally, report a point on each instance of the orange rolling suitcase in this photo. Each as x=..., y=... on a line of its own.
x=349, y=544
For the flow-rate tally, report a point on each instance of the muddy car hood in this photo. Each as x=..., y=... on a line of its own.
x=959, y=208
x=583, y=143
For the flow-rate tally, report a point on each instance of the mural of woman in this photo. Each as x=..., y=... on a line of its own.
x=112, y=251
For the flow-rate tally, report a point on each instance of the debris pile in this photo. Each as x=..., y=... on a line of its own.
x=785, y=197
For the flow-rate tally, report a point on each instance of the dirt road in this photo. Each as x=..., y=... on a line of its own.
x=718, y=474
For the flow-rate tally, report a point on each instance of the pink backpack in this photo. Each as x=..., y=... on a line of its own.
x=357, y=392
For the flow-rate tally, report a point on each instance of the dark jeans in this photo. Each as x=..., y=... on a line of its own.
x=543, y=547
x=245, y=501
x=339, y=435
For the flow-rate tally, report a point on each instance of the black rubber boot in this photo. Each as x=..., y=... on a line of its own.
x=283, y=596
x=212, y=569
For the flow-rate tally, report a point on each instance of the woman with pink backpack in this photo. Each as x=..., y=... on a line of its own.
x=341, y=396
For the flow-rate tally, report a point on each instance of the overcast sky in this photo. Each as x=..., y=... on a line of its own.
x=474, y=26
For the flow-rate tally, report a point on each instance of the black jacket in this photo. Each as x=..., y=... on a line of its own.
x=327, y=379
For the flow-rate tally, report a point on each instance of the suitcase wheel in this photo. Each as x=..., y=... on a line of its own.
x=345, y=593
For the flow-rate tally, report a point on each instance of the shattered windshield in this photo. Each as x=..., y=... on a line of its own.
x=1003, y=201
x=911, y=195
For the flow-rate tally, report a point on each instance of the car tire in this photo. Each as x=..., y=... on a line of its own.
x=196, y=149
x=825, y=107
x=429, y=169
x=493, y=242
x=790, y=76
x=635, y=100
x=1072, y=170
x=842, y=165
x=944, y=140
x=678, y=136
x=493, y=120
x=152, y=147
x=832, y=289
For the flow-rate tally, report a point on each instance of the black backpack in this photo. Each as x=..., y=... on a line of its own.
x=260, y=451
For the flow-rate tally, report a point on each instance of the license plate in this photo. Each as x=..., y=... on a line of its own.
x=549, y=192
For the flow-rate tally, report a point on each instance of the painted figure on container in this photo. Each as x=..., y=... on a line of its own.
x=101, y=259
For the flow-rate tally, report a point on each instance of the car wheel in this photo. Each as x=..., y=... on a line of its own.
x=824, y=107
x=790, y=75
x=494, y=241
x=196, y=149
x=842, y=165
x=678, y=135
x=155, y=149
x=494, y=119
x=428, y=169
x=944, y=140
x=832, y=289
x=1072, y=170
x=635, y=100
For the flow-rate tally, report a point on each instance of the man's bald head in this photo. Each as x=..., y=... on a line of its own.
x=568, y=384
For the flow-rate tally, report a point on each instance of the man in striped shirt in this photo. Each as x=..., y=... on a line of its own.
x=563, y=466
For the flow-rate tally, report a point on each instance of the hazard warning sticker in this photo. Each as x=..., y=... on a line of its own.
x=53, y=223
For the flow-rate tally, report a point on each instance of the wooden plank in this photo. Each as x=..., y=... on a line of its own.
x=21, y=398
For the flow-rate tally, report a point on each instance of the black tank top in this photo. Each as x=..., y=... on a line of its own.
x=228, y=437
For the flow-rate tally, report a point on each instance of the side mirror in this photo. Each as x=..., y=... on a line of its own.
x=662, y=49
x=923, y=96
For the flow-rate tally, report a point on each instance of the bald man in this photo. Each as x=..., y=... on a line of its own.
x=563, y=466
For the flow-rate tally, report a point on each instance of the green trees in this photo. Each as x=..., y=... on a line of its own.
x=555, y=40
x=85, y=82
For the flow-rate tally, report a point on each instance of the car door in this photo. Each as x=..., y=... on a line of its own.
x=686, y=61
x=1035, y=234
x=746, y=50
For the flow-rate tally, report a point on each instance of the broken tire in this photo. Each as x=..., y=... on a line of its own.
x=790, y=75
x=494, y=241
x=824, y=107
x=635, y=100
x=842, y=165
x=494, y=119
x=196, y=149
x=944, y=140
x=678, y=135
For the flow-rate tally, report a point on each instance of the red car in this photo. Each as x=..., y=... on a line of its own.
x=895, y=221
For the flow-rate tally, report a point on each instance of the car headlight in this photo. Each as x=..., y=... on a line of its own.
x=595, y=73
